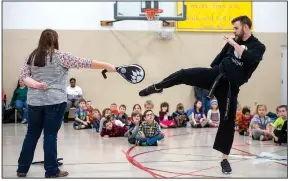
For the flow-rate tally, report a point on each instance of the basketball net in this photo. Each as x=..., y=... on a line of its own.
x=152, y=15
x=154, y=24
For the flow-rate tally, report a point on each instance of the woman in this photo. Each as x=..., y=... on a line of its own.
x=47, y=99
x=19, y=100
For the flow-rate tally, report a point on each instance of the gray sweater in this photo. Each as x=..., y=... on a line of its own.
x=132, y=132
x=55, y=75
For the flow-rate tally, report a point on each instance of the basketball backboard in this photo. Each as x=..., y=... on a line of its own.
x=172, y=11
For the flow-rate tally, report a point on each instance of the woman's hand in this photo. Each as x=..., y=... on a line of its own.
x=41, y=85
x=111, y=68
x=30, y=82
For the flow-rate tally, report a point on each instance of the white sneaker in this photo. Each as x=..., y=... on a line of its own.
x=24, y=121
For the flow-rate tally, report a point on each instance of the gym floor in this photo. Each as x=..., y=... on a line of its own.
x=184, y=153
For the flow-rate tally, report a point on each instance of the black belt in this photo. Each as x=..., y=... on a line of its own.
x=216, y=81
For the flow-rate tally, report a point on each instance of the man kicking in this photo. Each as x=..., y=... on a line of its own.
x=231, y=68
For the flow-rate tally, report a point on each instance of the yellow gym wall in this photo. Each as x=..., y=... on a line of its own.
x=159, y=59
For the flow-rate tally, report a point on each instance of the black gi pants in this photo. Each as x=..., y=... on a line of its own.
x=204, y=78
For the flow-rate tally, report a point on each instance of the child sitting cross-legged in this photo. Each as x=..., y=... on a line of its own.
x=198, y=117
x=115, y=121
x=150, y=106
x=114, y=109
x=133, y=127
x=213, y=115
x=180, y=116
x=81, y=116
x=96, y=119
x=112, y=130
x=105, y=114
x=280, y=125
x=137, y=108
x=90, y=110
x=166, y=120
x=244, y=121
x=261, y=125
x=122, y=116
x=149, y=131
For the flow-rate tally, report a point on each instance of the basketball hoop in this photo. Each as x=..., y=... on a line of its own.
x=152, y=13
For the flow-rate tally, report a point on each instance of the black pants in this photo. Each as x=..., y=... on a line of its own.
x=204, y=78
x=282, y=134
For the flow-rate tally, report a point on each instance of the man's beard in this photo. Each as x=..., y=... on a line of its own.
x=240, y=36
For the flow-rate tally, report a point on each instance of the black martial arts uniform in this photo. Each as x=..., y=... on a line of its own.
x=232, y=72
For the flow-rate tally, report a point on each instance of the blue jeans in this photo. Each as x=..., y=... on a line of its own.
x=150, y=140
x=21, y=107
x=49, y=119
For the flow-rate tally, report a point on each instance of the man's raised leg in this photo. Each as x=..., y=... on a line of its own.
x=199, y=77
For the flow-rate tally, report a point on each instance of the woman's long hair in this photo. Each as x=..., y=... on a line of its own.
x=48, y=42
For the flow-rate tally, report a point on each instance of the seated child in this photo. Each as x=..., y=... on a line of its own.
x=112, y=130
x=280, y=125
x=114, y=109
x=213, y=115
x=149, y=131
x=105, y=115
x=244, y=122
x=90, y=110
x=166, y=121
x=134, y=128
x=260, y=123
x=81, y=116
x=198, y=117
x=180, y=116
x=137, y=108
x=150, y=106
x=96, y=119
x=122, y=116
x=238, y=115
x=115, y=121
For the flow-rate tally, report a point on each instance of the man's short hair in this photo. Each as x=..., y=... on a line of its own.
x=245, y=20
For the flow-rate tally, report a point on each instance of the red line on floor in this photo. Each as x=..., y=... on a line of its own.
x=138, y=165
x=142, y=153
x=248, y=153
x=211, y=168
x=155, y=175
x=182, y=174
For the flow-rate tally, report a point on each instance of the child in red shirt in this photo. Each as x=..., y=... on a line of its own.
x=114, y=109
x=244, y=121
x=112, y=130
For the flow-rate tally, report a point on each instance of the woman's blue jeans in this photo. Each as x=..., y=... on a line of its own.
x=49, y=119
